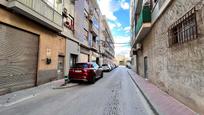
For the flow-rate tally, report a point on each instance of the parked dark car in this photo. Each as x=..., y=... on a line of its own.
x=89, y=71
x=128, y=66
x=106, y=67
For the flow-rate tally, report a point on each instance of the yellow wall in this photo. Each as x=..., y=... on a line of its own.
x=48, y=39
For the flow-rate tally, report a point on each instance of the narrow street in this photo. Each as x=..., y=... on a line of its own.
x=114, y=94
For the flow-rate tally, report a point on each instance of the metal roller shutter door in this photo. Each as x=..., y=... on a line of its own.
x=18, y=59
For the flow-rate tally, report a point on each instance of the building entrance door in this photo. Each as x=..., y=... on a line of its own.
x=60, y=68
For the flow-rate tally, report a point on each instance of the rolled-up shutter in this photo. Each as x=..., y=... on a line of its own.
x=18, y=59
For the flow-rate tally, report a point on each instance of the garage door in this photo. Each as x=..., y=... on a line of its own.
x=18, y=59
x=83, y=57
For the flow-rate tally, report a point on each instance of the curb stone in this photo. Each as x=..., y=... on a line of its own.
x=161, y=103
x=150, y=104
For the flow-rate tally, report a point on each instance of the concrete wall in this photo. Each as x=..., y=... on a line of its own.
x=178, y=70
x=71, y=48
x=79, y=20
x=48, y=40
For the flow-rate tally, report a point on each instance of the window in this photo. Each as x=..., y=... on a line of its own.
x=86, y=14
x=94, y=38
x=55, y=4
x=58, y=6
x=95, y=22
x=86, y=34
x=73, y=60
x=184, y=29
x=80, y=65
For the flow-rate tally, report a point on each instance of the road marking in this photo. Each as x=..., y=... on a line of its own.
x=18, y=101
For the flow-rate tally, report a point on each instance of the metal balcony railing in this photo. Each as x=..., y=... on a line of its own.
x=43, y=9
x=94, y=29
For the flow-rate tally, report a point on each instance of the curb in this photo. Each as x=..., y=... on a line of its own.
x=66, y=86
x=159, y=101
x=25, y=94
x=148, y=101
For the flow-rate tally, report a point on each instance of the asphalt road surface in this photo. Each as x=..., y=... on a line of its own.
x=114, y=94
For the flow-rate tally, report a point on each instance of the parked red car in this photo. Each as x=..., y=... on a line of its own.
x=89, y=71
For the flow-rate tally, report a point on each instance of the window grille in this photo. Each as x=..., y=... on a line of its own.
x=184, y=29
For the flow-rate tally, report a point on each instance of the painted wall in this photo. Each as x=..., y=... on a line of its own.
x=48, y=41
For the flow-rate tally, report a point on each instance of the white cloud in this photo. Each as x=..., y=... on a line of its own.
x=124, y=5
x=118, y=24
x=123, y=51
x=108, y=7
x=127, y=29
x=114, y=24
x=122, y=39
x=111, y=25
x=124, y=48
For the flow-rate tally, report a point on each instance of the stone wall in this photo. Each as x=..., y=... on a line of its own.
x=178, y=70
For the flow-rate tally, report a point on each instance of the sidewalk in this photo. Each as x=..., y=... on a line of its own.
x=19, y=96
x=161, y=103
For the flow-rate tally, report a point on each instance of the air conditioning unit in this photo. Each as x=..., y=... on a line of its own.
x=138, y=46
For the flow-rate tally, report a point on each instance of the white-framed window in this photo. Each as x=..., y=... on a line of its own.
x=55, y=4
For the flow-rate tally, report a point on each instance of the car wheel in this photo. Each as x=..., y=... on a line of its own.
x=101, y=74
x=93, y=80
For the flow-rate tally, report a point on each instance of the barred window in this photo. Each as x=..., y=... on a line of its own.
x=184, y=29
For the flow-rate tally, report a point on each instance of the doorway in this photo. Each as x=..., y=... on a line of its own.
x=60, y=68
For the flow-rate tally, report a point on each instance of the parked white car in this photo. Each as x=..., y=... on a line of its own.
x=106, y=67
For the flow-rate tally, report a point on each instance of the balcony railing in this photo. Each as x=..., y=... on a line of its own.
x=39, y=7
x=145, y=17
x=94, y=30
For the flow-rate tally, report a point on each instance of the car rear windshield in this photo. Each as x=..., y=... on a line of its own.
x=80, y=65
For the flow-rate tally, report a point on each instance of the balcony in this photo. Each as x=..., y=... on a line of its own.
x=39, y=11
x=109, y=49
x=143, y=24
x=94, y=30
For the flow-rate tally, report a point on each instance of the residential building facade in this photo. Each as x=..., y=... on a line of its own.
x=167, y=47
x=107, y=47
x=41, y=39
x=32, y=49
x=87, y=29
x=69, y=30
